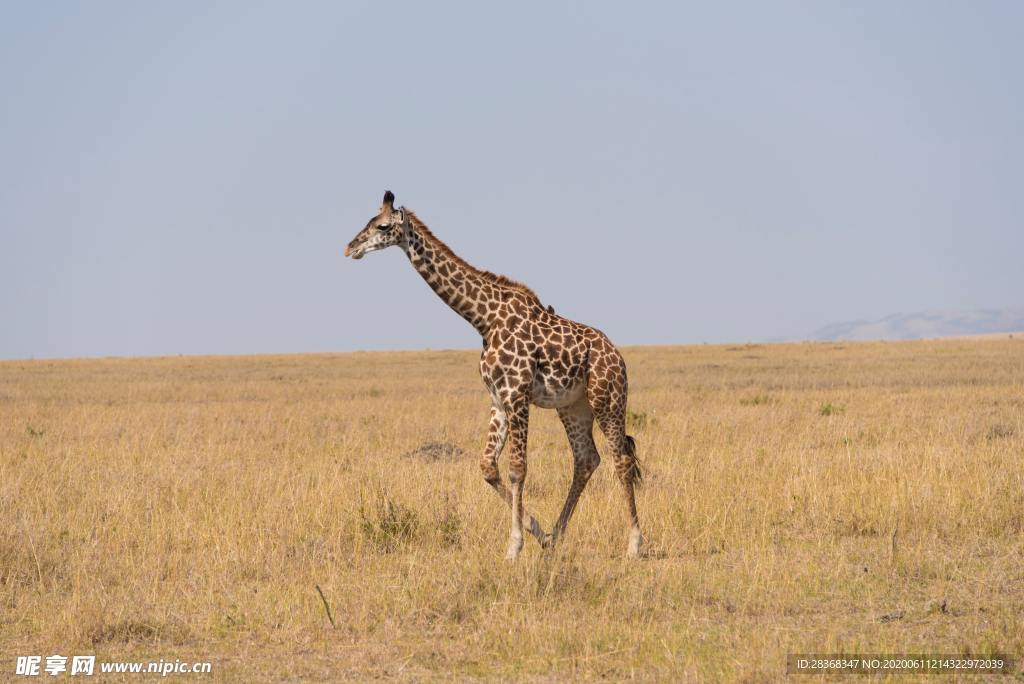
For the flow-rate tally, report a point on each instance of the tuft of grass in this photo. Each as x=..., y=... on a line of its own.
x=389, y=525
x=999, y=431
x=638, y=421
x=756, y=400
x=450, y=526
x=437, y=451
x=829, y=409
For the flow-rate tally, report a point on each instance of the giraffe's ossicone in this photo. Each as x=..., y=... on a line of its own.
x=530, y=356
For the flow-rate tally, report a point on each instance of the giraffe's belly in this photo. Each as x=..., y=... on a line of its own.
x=554, y=395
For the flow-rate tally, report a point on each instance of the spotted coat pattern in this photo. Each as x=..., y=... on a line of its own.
x=530, y=355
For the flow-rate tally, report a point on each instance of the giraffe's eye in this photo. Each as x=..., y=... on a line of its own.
x=383, y=226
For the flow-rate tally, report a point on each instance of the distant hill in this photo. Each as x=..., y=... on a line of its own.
x=926, y=324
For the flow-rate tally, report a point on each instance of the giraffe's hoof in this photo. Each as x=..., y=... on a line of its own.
x=535, y=529
x=635, y=542
x=515, y=545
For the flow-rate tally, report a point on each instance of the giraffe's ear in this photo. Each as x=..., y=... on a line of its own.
x=389, y=201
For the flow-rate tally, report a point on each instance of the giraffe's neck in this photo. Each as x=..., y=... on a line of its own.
x=464, y=288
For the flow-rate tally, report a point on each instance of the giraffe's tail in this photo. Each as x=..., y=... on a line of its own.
x=634, y=467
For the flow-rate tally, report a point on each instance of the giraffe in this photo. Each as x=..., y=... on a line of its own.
x=530, y=356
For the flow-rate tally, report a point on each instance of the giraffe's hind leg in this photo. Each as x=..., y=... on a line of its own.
x=627, y=469
x=606, y=393
x=578, y=421
x=496, y=437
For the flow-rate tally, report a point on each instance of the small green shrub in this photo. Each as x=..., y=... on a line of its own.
x=637, y=421
x=450, y=528
x=389, y=525
x=999, y=431
x=828, y=409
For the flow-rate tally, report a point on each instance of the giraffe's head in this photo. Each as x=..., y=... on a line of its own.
x=383, y=230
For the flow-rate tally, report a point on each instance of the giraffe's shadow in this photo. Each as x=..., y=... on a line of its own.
x=646, y=555
x=552, y=551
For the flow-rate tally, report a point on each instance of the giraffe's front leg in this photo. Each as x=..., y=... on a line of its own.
x=496, y=437
x=518, y=425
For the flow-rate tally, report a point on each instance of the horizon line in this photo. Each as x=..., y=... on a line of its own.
x=981, y=337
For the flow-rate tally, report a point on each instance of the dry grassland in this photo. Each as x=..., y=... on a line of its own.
x=189, y=508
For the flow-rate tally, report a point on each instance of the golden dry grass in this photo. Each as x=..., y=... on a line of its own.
x=188, y=507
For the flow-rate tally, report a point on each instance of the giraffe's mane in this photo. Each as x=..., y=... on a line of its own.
x=492, y=278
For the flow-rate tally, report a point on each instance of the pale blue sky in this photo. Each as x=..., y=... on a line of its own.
x=181, y=177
